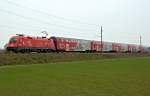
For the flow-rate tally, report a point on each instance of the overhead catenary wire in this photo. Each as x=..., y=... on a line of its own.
x=29, y=29
x=38, y=20
x=33, y=26
x=14, y=27
x=49, y=14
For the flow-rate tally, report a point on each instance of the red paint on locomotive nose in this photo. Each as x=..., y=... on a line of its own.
x=11, y=45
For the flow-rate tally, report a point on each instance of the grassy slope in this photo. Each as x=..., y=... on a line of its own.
x=15, y=59
x=115, y=77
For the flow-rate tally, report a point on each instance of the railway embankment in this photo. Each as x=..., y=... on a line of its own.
x=36, y=58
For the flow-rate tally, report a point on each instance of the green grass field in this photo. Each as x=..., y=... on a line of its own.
x=109, y=77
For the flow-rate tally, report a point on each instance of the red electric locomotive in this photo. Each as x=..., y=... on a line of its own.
x=21, y=43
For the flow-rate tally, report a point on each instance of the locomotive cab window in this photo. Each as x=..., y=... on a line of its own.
x=13, y=40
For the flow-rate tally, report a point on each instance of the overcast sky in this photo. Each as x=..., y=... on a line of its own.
x=122, y=20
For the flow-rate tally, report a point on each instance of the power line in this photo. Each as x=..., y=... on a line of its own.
x=42, y=12
x=38, y=20
x=26, y=26
x=30, y=29
x=33, y=26
x=8, y=27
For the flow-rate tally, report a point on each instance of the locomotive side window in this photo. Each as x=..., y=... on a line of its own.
x=13, y=40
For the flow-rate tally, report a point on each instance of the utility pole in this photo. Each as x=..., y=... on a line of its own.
x=140, y=43
x=140, y=40
x=101, y=39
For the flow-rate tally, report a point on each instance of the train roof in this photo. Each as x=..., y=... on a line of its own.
x=99, y=41
x=29, y=37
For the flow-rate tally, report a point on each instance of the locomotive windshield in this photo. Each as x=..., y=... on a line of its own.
x=13, y=40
